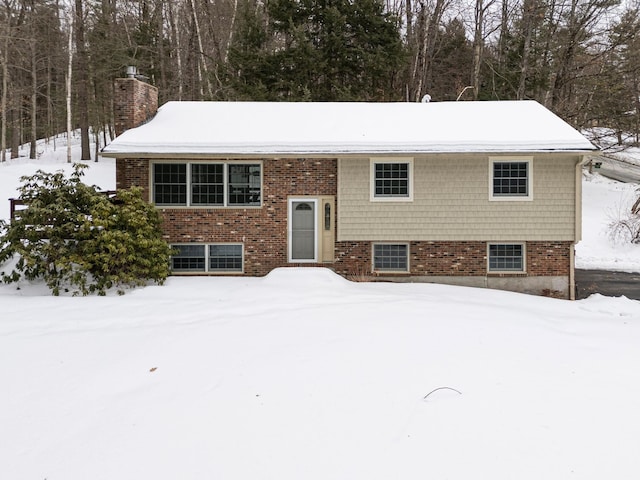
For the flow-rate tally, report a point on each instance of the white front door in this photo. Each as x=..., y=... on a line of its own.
x=303, y=246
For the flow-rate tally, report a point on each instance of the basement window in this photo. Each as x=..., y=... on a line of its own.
x=211, y=258
x=506, y=257
x=390, y=257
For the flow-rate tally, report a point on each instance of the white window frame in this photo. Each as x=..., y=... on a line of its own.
x=225, y=173
x=207, y=269
x=512, y=198
x=524, y=258
x=383, y=271
x=290, y=229
x=372, y=179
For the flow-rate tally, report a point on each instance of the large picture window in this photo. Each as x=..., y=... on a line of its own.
x=197, y=184
x=212, y=258
x=506, y=257
x=510, y=178
x=392, y=180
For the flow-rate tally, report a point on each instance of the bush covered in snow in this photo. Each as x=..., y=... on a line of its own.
x=79, y=240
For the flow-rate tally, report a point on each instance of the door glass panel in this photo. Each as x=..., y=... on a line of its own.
x=303, y=236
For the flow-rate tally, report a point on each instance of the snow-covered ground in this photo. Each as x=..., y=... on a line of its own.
x=304, y=375
x=52, y=156
x=604, y=201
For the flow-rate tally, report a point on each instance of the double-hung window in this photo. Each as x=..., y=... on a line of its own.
x=506, y=257
x=200, y=184
x=212, y=258
x=392, y=180
x=510, y=179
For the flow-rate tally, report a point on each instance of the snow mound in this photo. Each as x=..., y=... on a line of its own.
x=304, y=277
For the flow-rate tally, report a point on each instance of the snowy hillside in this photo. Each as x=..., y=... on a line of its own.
x=604, y=201
x=304, y=375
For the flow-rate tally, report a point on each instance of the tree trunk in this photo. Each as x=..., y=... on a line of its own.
x=175, y=33
x=528, y=11
x=82, y=88
x=68, y=85
x=231, y=29
x=433, y=29
x=202, y=64
x=477, y=47
x=15, y=122
x=409, y=19
x=34, y=104
x=3, y=106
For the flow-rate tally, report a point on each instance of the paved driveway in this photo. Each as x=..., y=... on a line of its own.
x=611, y=284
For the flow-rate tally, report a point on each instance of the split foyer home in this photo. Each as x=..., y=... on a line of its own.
x=484, y=194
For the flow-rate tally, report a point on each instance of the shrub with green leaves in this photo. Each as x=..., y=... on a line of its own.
x=78, y=240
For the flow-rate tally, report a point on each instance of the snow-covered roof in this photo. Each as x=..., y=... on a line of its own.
x=303, y=128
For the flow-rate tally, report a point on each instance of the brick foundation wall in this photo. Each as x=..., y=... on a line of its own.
x=426, y=258
x=544, y=259
x=134, y=103
x=548, y=258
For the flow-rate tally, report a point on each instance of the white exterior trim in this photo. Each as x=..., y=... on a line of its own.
x=372, y=177
x=512, y=198
x=290, y=201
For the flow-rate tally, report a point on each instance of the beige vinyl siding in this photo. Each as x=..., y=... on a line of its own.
x=451, y=202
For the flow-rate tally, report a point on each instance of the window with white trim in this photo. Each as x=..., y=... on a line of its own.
x=390, y=257
x=199, y=184
x=392, y=179
x=510, y=178
x=506, y=257
x=213, y=258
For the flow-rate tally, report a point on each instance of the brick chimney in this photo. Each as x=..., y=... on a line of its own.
x=134, y=103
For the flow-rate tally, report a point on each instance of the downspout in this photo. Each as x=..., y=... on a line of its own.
x=577, y=236
x=572, y=272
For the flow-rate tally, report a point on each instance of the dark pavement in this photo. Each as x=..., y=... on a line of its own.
x=611, y=284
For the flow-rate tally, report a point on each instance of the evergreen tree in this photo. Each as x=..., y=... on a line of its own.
x=452, y=63
x=319, y=50
x=77, y=239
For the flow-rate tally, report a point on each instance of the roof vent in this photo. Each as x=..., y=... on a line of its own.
x=132, y=72
x=426, y=98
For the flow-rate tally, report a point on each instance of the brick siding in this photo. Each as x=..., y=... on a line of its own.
x=263, y=230
x=134, y=103
x=544, y=259
x=549, y=258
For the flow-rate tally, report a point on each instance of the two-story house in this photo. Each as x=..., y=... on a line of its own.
x=484, y=194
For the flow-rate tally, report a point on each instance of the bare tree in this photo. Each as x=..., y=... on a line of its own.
x=4, y=54
x=68, y=84
x=82, y=87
